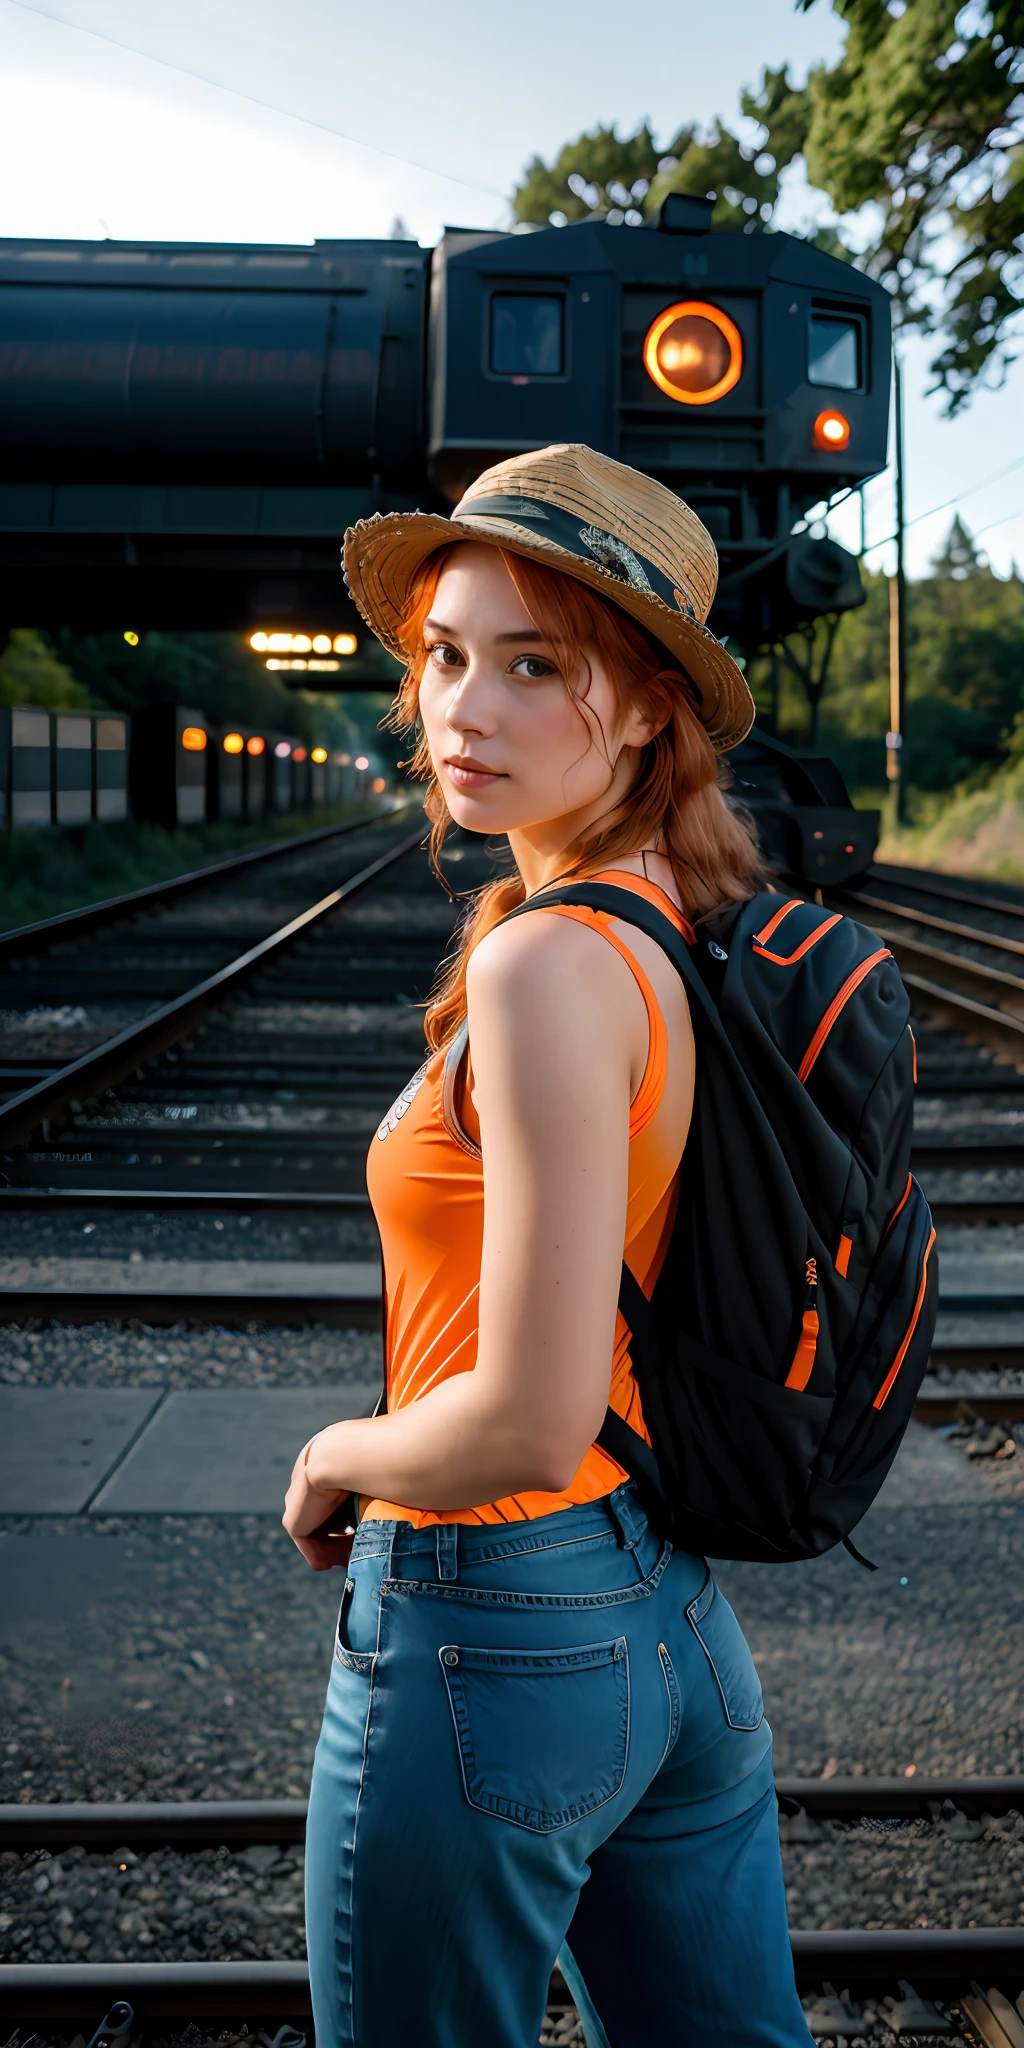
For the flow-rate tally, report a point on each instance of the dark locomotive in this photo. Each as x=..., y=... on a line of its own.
x=186, y=431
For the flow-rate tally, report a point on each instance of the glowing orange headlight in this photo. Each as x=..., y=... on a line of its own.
x=193, y=739
x=693, y=352
x=831, y=430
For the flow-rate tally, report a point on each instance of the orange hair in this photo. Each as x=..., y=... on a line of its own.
x=676, y=799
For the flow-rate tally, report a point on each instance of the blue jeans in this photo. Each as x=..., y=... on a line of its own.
x=543, y=1740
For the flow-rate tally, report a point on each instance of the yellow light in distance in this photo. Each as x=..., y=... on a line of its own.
x=193, y=739
x=319, y=755
x=301, y=643
x=255, y=745
x=321, y=643
x=345, y=643
x=233, y=743
x=693, y=352
x=279, y=643
x=831, y=430
x=132, y=639
x=258, y=643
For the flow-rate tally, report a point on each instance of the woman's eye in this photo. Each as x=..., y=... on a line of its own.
x=444, y=654
x=532, y=666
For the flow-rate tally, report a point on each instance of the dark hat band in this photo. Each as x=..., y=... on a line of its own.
x=587, y=543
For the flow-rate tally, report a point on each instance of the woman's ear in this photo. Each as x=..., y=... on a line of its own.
x=646, y=717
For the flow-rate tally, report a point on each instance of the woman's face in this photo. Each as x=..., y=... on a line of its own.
x=512, y=750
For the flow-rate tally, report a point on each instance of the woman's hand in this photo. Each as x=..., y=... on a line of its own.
x=307, y=1514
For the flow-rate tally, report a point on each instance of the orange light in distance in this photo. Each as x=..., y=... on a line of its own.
x=831, y=430
x=233, y=743
x=255, y=745
x=693, y=352
x=193, y=739
x=298, y=753
x=319, y=755
x=378, y=785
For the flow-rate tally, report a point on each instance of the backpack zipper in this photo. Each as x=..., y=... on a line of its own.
x=835, y=1008
x=807, y=1343
x=886, y=1387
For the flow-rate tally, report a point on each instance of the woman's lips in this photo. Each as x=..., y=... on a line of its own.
x=470, y=775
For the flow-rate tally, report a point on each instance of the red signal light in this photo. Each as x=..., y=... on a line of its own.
x=831, y=430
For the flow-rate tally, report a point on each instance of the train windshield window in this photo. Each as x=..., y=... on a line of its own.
x=834, y=352
x=526, y=335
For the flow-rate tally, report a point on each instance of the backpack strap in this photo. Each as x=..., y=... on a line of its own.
x=615, y=1436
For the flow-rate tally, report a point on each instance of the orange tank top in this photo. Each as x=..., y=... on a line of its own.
x=425, y=1179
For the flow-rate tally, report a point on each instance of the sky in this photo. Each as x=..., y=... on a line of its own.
x=253, y=120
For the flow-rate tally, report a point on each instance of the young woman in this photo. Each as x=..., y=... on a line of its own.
x=544, y=1734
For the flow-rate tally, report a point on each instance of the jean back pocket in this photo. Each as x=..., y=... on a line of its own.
x=543, y=1734
x=727, y=1651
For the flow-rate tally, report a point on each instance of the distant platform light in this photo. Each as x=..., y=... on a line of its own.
x=232, y=743
x=282, y=750
x=378, y=785
x=344, y=760
x=193, y=739
x=299, y=754
x=132, y=639
x=255, y=745
x=319, y=755
x=299, y=643
x=321, y=643
x=831, y=430
x=693, y=352
x=361, y=761
x=322, y=667
x=345, y=643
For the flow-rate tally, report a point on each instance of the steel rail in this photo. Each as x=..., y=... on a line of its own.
x=234, y=1823
x=76, y=924
x=943, y=924
x=110, y=1062
x=928, y=883
x=1004, y=1021
x=940, y=1961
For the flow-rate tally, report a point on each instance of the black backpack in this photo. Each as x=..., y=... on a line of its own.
x=784, y=1345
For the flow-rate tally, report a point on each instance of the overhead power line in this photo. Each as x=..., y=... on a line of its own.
x=946, y=504
x=252, y=99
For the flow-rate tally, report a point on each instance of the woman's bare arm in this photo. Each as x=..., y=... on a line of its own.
x=559, y=1036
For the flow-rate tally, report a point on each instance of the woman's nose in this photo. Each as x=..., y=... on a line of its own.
x=468, y=708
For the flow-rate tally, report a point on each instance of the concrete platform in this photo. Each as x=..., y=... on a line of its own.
x=201, y=1451
x=58, y=1444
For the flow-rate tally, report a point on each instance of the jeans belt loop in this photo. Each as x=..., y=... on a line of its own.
x=447, y=1550
x=631, y=1522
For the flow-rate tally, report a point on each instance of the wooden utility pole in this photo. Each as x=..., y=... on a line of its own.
x=895, y=738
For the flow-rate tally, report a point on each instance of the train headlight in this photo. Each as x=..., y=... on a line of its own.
x=693, y=352
x=831, y=430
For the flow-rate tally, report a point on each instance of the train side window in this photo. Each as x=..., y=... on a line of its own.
x=527, y=335
x=835, y=350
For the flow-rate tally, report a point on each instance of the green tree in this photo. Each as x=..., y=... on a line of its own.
x=605, y=176
x=918, y=129
x=31, y=674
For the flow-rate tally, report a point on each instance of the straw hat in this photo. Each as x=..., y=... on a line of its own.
x=614, y=529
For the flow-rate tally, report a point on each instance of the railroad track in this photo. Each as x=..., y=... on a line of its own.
x=961, y=1984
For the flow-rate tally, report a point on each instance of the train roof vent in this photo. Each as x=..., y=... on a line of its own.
x=685, y=213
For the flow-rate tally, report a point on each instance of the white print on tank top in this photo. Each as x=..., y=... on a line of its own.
x=403, y=1102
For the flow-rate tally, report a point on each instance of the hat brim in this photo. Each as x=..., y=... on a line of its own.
x=381, y=556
